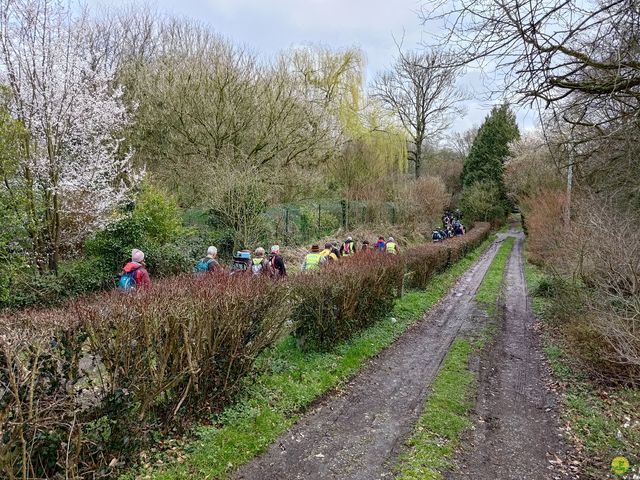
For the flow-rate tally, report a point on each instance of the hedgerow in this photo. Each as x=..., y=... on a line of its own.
x=425, y=260
x=84, y=387
x=344, y=298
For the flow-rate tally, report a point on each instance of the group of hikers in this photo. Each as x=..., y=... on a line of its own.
x=331, y=253
x=273, y=265
x=134, y=274
x=451, y=226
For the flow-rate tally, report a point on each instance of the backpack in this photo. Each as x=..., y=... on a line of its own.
x=271, y=266
x=128, y=280
x=239, y=265
x=257, y=268
x=203, y=265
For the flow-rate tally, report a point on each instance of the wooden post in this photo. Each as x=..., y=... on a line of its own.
x=567, y=210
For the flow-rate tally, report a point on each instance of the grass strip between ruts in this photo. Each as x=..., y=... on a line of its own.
x=446, y=413
x=291, y=381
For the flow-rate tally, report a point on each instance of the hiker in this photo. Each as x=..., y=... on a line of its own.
x=458, y=228
x=327, y=253
x=449, y=230
x=134, y=274
x=277, y=269
x=380, y=244
x=259, y=264
x=366, y=246
x=313, y=260
x=241, y=262
x=392, y=247
x=208, y=263
x=334, y=248
x=447, y=220
x=347, y=247
x=437, y=235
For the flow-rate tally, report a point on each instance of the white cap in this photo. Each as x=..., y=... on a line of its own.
x=349, y=239
x=391, y=239
x=137, y=255
x=275, y=249
x=213, y=251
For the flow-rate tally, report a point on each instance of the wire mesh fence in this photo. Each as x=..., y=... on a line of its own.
x=293, y=223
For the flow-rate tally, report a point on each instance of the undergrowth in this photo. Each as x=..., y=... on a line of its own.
x=602, y=420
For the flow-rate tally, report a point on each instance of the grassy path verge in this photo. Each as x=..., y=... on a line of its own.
x=447, y=409
x=601, y=421
x=290, y=382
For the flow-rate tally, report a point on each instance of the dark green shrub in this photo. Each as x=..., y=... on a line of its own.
x=86, y=275
x=483, y=202
x=29, y=288
x=114, y=244
x=169, y=259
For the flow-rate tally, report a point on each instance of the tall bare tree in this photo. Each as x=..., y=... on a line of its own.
x=420, y=89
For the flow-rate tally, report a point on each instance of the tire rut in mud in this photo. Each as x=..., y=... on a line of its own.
x=358, y=433
x=516, y=426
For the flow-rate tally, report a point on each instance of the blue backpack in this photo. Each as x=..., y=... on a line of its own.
x=203, y=265
x=128, y=280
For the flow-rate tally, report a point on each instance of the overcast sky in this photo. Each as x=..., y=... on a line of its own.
x=269, y=26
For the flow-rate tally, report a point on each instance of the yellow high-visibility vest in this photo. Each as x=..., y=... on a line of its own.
x=312, y=261
x=328, y=253
x=391, y=248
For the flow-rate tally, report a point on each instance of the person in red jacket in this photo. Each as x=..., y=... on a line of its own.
x=134, y=274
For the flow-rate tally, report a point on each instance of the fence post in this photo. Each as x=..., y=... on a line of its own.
x=393, y=214
x=286, y=223
x=343, y=204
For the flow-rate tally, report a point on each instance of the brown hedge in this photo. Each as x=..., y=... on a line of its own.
x=83, y=388
x=425, y=260
x=344, y=298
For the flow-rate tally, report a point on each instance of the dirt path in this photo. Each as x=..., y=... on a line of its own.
x=358, y=434
x=516, y=430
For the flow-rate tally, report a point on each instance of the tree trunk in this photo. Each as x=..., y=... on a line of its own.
x=567, y=210
x=418, y=159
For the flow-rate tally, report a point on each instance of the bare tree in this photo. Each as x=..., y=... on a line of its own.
x=420, y=89
x=461, y=142
x=548, y=49
x=577, y=60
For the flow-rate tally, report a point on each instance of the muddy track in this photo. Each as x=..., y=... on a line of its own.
x=516, y=428
x=358, y=434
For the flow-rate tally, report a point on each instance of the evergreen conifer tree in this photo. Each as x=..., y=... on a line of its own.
x=490, y=148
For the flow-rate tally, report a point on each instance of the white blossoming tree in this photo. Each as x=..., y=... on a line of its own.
x=73, y=172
